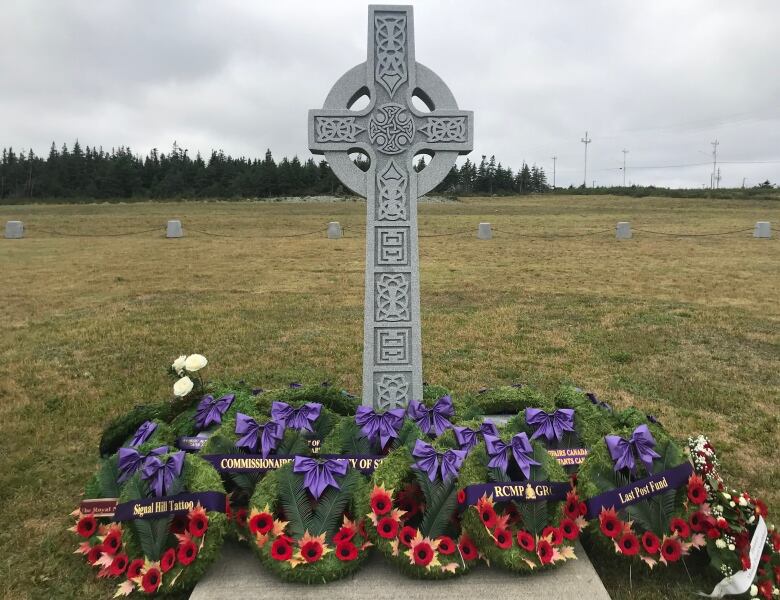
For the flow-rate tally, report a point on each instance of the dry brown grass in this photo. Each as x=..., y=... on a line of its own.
x=684, y=328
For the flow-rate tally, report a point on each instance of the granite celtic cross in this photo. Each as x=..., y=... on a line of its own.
x=391, y=131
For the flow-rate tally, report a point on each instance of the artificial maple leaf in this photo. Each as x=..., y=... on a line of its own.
x=83, y=548
x=581, y=522
x=368, y=544
x=501, y=522
x=261, y=539
x=373, y=518
x=278, y=528
x=450, y=568
x=556, y=556
x=608, y=512
x=73, y=529
x=349, y=524
x=698, y=540
x=76, y=513
x=530, y=563
x=485, y=500
x=105, y=560
x=105, y=572
x=394, y=547
x=296, y=560
x=627, y=527
x=396, y=514
x=125, y=589
x=651, y=562
x=183, y=538
x=567, y=552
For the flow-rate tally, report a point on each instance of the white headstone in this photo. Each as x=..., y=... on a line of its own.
x=14, y=230
x=623, y=230
x=763, y=230
x=334, y=230
x=390, y=130
x=485, y=232
x=174, y=229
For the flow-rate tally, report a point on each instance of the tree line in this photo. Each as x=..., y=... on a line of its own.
x=94, y=173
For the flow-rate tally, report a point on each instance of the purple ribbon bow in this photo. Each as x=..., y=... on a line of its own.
x=467, y=438
x=255, y=436
x=432, y=463
x=519, y=446
x=162, y=473
x=550, y=425
x=210, y=411
x=622, y=450
x=385, y=425
x=317, y=476
x=432, y=419
x=296, y=418
x=143, y=433
x=130, y=460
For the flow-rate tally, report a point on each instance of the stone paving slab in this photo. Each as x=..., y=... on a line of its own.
x=238, y=575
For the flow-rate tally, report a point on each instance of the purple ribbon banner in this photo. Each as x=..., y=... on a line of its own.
x=639, y=490
x=154, y=508
x=523, y=491
x=255, y=463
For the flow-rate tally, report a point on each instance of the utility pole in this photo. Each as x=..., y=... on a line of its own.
x=554, y=158
x=624, y=166
x=717, y=179
x=586, y=141
x=714, y=161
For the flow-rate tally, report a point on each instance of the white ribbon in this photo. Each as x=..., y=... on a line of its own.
x=740, y=582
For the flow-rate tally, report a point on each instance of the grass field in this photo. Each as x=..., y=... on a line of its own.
x=687, y=329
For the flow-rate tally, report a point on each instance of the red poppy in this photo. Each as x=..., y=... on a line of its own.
x=583, y=509
x=569, y=529
x=713, y=533
x=187, y=552
x=723, y=524
x=468, y=549
x=261, y=523
x=179, y=524
x=168, y=560
x=446, y=545
x=94, y=553
x=118, y=565
x=135, y=567
x=502, y=538
x=407, y=535
x=345, y=534
x=555, y=533
x=112, y=541
x=381, y=502
x=696, y=521
x=526, y=541
x=346, y=551
x=765, y=589
x=610, y=525
x=387, y=528
x=198, y=524
x=697, y=494
x=461, y=496
x=680, y=527
x=87, y=526
x=488, y=516
x=422, y=554
x=241, y=517
x=151, y=580
x=311, y=551
x=650, y=542
x=628, y=544
x=761, y=508
x=544, y=551
x=281, y=549
x=572, y=507
x=671, y=550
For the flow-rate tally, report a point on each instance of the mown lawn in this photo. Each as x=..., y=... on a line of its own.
x=687, y=329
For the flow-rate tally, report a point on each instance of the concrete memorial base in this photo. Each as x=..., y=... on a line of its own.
x=238, y=575
x=334, y=230
x=174, y=229
x=14, y=230
x=762, y=230
x=623, y=230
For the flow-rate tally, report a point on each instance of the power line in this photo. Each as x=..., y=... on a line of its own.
x=586, y=141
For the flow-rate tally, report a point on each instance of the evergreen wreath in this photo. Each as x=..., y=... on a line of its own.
x=231, y=438
x=633, y=463
x=310, y=531
x=503, y=400
x=521, y=533
x=413, y=520
x=165, y=554
x=335, y=400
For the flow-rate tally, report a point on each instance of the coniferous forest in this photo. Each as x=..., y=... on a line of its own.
x=83, y=173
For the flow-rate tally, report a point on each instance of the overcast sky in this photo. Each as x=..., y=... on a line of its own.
x=662, y=79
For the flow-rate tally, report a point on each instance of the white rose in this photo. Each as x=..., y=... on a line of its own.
x=720, y=543
x=742, y=501
x=731, y=504
x=754, y=590
x=178, y=364
x=183, y=387
x=726, y=496
x=195, y=362
x=731, y=547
